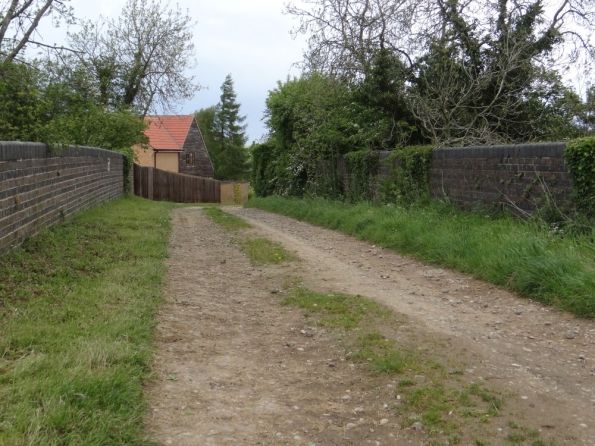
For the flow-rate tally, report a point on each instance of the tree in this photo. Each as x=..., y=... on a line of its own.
x=19, y=20
x=142, y=59
x=205, y=118
x=478, y=71
x=20, y=103
x=345, y=35
x=55, y=107
x=228, y=152
x=490, y=82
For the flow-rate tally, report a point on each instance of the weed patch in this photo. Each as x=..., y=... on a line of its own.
x=335, y=310
x=225, y=219
x=262, y=251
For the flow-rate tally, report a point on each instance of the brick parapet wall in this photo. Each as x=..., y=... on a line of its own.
x=514, y=176
x=39, y=187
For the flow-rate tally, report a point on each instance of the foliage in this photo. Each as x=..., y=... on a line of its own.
x=409, y=179
x=384, y=75
x=362, y=170
x=535, y=262
x=316, y=118
x=580, y=159
x=77, y=305
x=225, y=135
x=228, y=152
x=205, y=119
x=21, y=105
x=128, y=155
x=140, y=60
x=457, y=73
x=308, y=129
x=263, y=165
x=56, y=108
x=471, y=88
x=346, y=34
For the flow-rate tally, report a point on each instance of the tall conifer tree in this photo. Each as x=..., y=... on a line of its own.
x=229, y=154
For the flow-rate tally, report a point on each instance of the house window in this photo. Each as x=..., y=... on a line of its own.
x=190, y=159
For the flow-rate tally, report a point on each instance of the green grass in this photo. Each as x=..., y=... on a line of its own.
x=228, y=221
x=77, y=308
x=262, y=251
x=553, y=269
x=335, y=310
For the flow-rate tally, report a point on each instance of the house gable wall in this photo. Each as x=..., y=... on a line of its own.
x=195, y=144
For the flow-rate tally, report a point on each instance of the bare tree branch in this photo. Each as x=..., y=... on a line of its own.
x=19, y=22
x=142, y=58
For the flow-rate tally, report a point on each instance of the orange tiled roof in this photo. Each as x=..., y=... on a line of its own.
x=168, y=132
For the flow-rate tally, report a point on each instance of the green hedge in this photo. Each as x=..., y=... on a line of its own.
x=580, y=159
x=410, y=175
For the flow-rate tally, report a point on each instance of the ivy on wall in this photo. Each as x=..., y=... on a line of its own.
x=362, y=170
x=409, y=178
x=580, y=159
x=128, y=163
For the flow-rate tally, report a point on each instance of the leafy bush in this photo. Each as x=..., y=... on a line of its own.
x=263, y=175
x=580, y=159
x=410, y=175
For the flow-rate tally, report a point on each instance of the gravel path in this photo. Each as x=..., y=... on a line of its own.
x=230, y=370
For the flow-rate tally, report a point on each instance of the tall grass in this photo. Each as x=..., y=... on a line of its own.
x=550, y=268
x=77, y=309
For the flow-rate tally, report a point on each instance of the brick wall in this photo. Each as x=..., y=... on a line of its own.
x=511, y=176
x=39, y=187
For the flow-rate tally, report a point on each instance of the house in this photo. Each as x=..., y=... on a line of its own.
x=176, y=145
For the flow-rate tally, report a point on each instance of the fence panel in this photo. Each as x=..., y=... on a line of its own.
x=160, y=185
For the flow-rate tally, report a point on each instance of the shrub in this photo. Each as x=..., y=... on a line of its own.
x=410, y=175
x=580, y=159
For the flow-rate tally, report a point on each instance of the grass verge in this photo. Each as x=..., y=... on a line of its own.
x=451, y=410
x=550, y=268
x=77, y=307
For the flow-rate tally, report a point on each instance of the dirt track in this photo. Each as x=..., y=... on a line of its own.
x=233, y=368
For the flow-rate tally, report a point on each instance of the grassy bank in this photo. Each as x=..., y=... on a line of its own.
x=77, y=310
x=545, y=266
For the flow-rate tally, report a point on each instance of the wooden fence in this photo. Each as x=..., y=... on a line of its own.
x=160, y=185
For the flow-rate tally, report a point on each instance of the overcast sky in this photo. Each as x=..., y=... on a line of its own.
x=248, y=39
